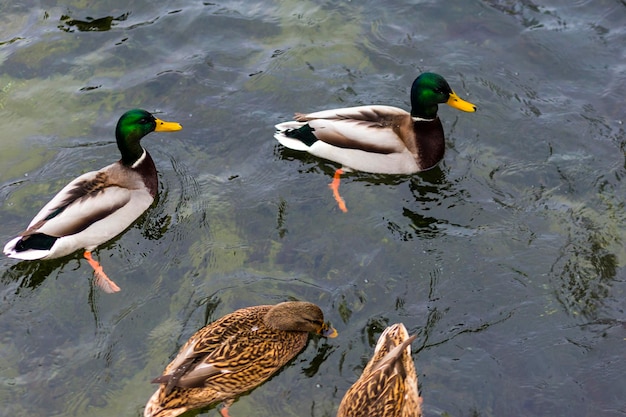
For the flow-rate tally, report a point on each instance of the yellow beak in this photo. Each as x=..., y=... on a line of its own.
x=162, y=126
x=460, y=104
x=328, y=331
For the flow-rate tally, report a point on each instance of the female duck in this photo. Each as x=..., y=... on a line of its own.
x=233, y=355
x=98, y=205
x=378, y=139
x=388, y=385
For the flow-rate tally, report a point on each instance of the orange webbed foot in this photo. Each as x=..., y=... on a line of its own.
x=100, y=278
x=335, y=187
x=223, y=409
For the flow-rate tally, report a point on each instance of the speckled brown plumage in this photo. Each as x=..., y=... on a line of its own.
x=388, y=385
x=233, y=355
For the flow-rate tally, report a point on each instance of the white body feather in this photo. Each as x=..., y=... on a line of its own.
x=362, y=126
x=113, y=199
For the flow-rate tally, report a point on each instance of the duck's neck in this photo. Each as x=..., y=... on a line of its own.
x=428, y=113
x=421, y=119
x=145, y=167
x=130, y=149
x=422, y=106
x=431, y=143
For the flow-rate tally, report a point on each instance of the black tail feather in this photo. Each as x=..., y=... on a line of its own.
x=38, y=241
x=304, y=134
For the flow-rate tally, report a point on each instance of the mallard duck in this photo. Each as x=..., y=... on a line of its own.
x=233, y=355
x=388, y=385
x=98, y=205
x=377, y=139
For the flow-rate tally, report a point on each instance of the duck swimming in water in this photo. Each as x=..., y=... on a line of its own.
x=233, y=355
x=99, y=205
x=376, y=138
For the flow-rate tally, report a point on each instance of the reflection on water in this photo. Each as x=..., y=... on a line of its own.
x=90, y=24
x=507, y=259
x=588, y=267
x=28, y=274
x=433, y=195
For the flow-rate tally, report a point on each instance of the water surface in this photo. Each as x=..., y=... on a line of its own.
x=507, y=260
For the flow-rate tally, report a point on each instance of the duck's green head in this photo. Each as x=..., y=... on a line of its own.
x=428, y=91
x=134, y=125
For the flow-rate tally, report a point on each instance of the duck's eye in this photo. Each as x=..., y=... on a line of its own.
x=316, y=322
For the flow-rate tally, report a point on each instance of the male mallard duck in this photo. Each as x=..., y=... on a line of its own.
x=233, y=355
x=98, y=205
x=388, y=385
x=377, y=139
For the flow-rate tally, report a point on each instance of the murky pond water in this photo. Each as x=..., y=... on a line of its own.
x=508, y=259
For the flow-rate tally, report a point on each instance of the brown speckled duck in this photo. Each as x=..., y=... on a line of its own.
x=99, y=205
x=233, y=355
x=377, y=139
x=388, y=385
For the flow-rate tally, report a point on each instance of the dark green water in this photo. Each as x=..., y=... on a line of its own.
x=508, y=260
